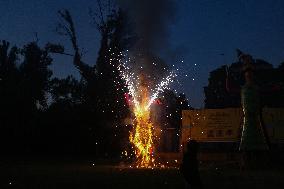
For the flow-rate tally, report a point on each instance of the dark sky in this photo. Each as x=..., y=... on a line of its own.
x=202, y=32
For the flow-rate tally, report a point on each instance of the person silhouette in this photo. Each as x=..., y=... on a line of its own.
x=190, y=166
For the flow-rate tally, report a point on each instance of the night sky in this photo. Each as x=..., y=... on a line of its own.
x=205, y=33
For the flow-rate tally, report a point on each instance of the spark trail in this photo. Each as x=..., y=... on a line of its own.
x=142, y=136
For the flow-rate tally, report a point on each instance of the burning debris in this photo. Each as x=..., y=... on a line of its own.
x=142, y=96
x=145, y=74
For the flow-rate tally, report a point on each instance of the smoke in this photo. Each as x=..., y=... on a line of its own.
x=152, y=20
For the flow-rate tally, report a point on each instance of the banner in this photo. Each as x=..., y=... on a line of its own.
x=274, y=122
x=211, y=124
x=224, y=125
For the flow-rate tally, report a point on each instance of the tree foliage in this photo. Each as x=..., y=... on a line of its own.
x=266, y=77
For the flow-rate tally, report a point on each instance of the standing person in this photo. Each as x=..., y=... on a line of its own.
x=254, y=140
x=190, y=166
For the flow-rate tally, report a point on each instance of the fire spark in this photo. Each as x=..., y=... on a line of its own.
x=142, y=136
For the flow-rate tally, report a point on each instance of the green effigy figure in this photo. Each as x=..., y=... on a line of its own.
x=253, y=135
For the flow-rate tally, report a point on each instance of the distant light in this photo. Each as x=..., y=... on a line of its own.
x=193, y=79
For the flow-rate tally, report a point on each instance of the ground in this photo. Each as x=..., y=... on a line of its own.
x=41, y=174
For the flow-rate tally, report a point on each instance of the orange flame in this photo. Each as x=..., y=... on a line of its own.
x=142, y=135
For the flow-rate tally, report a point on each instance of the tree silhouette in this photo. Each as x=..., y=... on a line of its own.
x=67, y=90
x=35, y=75
x=24, y=83
x=104, y=88
x=216, y=95
x=9, y=96
x=170, y=108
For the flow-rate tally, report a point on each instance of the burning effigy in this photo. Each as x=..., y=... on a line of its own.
x=141, y=97
x=146, y=76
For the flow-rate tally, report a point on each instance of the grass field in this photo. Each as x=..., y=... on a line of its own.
x=82, y=174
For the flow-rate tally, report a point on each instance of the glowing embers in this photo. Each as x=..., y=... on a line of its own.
x=139, y=99
x=142, y=135
x=142, y=138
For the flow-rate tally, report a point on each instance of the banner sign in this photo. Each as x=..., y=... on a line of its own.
x=224, y=125
x=274, y=122
x=211, y=124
